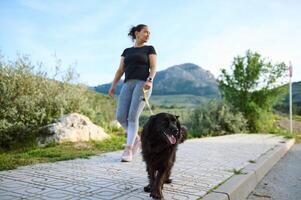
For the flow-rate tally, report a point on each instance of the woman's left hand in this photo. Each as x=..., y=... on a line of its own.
x=147, y=85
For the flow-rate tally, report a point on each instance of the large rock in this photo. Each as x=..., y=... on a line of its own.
x=71, y=128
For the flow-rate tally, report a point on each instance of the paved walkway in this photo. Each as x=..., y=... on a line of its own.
x=201, y=165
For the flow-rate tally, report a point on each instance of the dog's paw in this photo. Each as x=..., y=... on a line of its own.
x=168, y=181
x=156, y=195
x=147, y=188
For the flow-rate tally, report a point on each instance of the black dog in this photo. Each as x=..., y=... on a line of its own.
x=160, y=138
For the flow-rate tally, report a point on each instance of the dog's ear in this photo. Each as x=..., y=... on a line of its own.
x=183, y=134
x=179, y=128
x=178, y=122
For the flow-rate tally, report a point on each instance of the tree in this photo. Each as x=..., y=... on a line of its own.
x=252, y=88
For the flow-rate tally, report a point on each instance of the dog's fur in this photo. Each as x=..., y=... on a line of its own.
x=160, y=138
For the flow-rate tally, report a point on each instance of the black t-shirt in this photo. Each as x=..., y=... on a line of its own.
x=136, y=62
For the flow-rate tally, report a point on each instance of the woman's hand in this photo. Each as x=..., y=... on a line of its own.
x=112, y=91
x=147, y=85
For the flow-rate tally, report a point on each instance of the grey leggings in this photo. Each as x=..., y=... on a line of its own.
x=130, y=105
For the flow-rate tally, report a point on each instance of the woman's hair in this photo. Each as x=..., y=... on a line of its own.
x=138, y=28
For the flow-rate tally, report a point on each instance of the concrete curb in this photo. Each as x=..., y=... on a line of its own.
x=238, y=187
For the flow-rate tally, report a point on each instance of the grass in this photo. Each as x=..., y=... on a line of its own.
x=53, y=153
x=285, y=131
x=286, y=134
x=238, y=172
x=187, y=101
x=183, y=113
x=215, y=187
x=286, y=116
x=297, y=118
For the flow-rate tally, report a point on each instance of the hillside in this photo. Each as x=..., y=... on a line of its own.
x=183, y=79
x=283, y=105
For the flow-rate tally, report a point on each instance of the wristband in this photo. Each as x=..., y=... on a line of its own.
x=149, y=79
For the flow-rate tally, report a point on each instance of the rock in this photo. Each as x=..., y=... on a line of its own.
x=115, y=124
x=71, y=128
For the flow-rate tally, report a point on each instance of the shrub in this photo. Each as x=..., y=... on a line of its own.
x=215, y=118
x=31, y=99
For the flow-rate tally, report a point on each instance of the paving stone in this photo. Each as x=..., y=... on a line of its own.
x=201, y=165
x=6, y=195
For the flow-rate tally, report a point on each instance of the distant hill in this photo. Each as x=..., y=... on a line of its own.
x=182, y=100
x=183, y=79
x=283, y=105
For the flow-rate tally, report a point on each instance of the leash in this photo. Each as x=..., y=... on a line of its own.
x=146, y=100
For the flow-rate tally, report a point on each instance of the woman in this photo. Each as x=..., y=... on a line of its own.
x=139, y=65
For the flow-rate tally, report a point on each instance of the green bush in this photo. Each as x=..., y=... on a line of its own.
x=143, y=119
x=259, y=119
x=215, y=118
x=31, y=99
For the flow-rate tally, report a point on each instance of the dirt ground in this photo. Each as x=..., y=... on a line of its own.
x=284, y=123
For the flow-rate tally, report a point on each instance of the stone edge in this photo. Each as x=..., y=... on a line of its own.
x=238, y=187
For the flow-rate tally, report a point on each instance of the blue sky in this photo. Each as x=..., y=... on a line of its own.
x=91, y=35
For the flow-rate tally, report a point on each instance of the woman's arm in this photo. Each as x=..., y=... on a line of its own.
x=153, y=65
x=117, y=77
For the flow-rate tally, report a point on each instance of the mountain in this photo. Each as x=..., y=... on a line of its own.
x=183, y=79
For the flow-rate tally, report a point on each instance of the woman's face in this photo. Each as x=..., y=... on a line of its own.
x=143, y=35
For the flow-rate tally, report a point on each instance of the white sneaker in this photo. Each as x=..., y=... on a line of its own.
x=127, y=155
x=137, y=145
